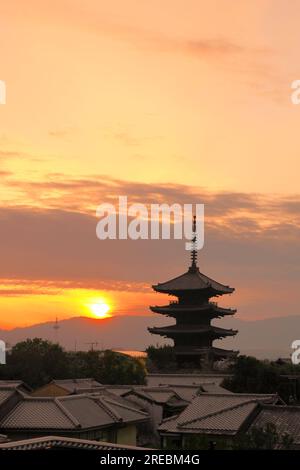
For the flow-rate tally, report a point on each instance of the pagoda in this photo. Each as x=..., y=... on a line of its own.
x=192, y=333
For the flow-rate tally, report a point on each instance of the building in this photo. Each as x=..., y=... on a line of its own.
x=192, y=333
x=85, y=416
x=12, y=385
x=60, y=388
x=10, y=393
x=286, y=419
x=162, y=401
x=216, y=417
x=188, y=379
x=61, y=442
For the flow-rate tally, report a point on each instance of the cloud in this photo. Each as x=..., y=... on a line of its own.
x=16, y=154
x=256, y=212
x=4, y=173
x=16, y=287
x=61, y=133
x=10, y=154
x=252, y=241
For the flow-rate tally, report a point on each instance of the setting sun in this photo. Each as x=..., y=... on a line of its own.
x=100, y=310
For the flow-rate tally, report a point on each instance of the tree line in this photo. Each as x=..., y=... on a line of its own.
x=36, y=362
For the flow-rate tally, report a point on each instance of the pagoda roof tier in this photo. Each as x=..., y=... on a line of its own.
x=217, y=352
x=174, y=307
x=192, y=329
x=191, y=281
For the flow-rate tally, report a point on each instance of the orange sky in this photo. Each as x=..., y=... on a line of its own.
x=157, y=100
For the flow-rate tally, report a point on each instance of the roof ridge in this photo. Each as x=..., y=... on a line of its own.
x=163, y=389
x=209, y=415
x=192, y=385
x=263, y=395
x=165, y=420
x=100, y=400
x=125, y=406
x=67, y=412
x=147, y=396
x=154, y=388
x=71, y=440
x=138, y=392
x=215, y=374
x=77, y=396
x=10, y=412
x=73, y=380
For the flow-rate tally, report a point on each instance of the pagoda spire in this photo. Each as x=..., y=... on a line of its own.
x=194, y=266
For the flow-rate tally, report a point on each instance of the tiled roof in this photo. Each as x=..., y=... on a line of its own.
x=107, y=394
x=184, y=379
x=74, y=385
x=5, y=394
x=158, y=395
x=161, y=397
x=10, y=383
x=179, y=329
x=41, y=414
x=49, y=442
x=14, y=385
x=214, y=388
x=188, y=392
x=70, y=412
x=215, y=413
x=119, y=389
x=192, y=280
x=164, y=393
x=285, y=418
x=88, y=412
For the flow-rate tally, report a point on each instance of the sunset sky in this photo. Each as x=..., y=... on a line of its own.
x=162, y=101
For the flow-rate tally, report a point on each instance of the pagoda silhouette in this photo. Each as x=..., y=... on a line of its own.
x=193, y=334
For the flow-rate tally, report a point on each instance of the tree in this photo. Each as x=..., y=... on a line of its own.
x=161, y=357
x=107, y=367
x=266, y=437
x=117, y=368
x=36, y=362
x=249, y=375
x=253, y=376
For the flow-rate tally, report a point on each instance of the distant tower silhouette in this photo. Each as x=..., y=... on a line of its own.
x=56, y=328
x=92, y=344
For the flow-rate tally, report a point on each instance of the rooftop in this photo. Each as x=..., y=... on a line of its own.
x=175, y=393
x=215, y=413
x=190, y=328
x=14, y=385
x=53, y=442
x=185, y=379
x=193, y=280
x=285, y=418
x=73, y=385
x=70, y=413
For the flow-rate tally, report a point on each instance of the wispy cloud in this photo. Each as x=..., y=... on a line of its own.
x=256, y=212
x=252, y=241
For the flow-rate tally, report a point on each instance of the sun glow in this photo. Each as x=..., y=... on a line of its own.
x=100, y=310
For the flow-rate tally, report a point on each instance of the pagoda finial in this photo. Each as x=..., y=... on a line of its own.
x=193, y=266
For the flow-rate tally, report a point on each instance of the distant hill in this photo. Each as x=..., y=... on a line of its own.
x=264, y=338
x=269, y=338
